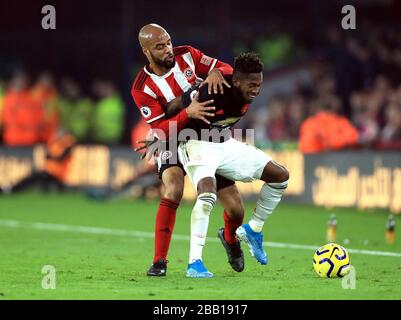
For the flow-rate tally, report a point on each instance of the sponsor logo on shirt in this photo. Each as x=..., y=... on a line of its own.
x=206, y=60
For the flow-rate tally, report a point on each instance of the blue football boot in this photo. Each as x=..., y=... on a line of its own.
x=254, y=240
x=196, y=269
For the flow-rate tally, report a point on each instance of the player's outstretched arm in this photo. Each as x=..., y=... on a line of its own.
x=174, y=106
x=212, y=70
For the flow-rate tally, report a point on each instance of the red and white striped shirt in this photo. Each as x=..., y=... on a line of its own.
x=152, y=93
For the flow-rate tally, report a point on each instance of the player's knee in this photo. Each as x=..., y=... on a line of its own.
x=280, y=175
x=207, y=185
x=174, y=191
x=283, y=175
x=275, y=173
x=173, y=182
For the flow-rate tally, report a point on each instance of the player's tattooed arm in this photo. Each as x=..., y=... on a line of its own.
x=195, y=109
x=174, y=106
x=197, y=102
x=182, y=102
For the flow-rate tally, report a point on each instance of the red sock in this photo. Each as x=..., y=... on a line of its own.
x=165, y=221
x=230, y=225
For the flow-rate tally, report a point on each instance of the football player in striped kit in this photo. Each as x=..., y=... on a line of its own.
x=169, y=73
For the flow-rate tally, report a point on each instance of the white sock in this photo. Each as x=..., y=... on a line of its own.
x=199, y=224
x=269, y=197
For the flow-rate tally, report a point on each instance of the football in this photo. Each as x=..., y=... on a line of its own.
x=331, y=261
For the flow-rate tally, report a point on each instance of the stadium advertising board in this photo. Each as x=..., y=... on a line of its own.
x=338, y=179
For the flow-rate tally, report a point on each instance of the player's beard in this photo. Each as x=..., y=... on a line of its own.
x=163, y=63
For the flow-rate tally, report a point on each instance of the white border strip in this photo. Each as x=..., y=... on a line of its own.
x=142, y=234
x=156, y=118
x=213, y=64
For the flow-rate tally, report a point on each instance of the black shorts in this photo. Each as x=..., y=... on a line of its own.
x=221, y=182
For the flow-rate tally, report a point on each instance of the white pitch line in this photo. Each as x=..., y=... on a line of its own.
x=142, y=234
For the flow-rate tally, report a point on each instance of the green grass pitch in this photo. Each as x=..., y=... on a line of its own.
x=101, y=250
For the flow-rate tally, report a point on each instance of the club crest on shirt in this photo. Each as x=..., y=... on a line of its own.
x=146, y=112
x=188, y=73
x=166, y=155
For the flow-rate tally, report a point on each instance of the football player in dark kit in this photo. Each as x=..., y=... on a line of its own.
x=214, y=151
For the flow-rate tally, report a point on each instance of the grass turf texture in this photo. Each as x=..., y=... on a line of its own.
x=107, y=266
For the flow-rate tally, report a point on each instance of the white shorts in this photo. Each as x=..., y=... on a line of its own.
x=232, y=159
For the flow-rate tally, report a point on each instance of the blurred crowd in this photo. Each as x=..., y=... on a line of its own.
x=33, y=112
x=353, y=98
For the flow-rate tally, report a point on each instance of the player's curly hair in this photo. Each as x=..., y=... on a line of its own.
x=248, y=62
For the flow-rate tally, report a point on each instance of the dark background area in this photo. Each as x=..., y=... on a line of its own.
x=98, y=39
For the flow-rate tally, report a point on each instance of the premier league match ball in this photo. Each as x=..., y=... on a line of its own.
x=331, y=261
